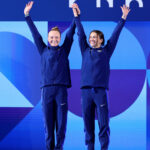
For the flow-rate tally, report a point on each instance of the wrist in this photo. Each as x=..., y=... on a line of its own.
x=27, y=14
x=75, y=15
x=124, y=17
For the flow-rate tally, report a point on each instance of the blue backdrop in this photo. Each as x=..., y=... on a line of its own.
x=21, y=120
x=58, y=10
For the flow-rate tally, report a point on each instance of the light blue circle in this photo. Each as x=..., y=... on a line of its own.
x=128, y=53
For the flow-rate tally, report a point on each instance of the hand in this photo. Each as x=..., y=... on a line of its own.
x=28, y=7
x=125, y=11
x=76, y=9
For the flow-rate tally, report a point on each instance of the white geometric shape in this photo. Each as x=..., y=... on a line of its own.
x=71, y=2
x=10, y=96
x=98, y=3
x=140, y=2
x=110, y=3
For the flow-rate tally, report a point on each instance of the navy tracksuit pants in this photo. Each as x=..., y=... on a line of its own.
x=55, y=108
x=95, y=99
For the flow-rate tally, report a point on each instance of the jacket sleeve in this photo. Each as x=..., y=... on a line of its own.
x=36, y=35
x=69, y=37
x=81, y=35
x=112, y=42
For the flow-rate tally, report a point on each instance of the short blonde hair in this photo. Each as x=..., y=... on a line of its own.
x=55, y=29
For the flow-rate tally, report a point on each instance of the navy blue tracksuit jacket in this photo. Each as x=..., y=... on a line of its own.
x=54, y=60
x=95, y=64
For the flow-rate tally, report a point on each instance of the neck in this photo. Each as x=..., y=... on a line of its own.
x=54, y=47
x=97, y=46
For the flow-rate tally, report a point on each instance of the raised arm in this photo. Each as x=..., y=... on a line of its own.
x=81, y=34
x=69, y=37
x=111, y=43
x=36, y=35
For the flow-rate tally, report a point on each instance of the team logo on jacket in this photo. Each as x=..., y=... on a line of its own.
x=99, y=51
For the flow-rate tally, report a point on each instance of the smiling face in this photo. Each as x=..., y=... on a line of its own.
x=54, y=37
x=95, y=40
